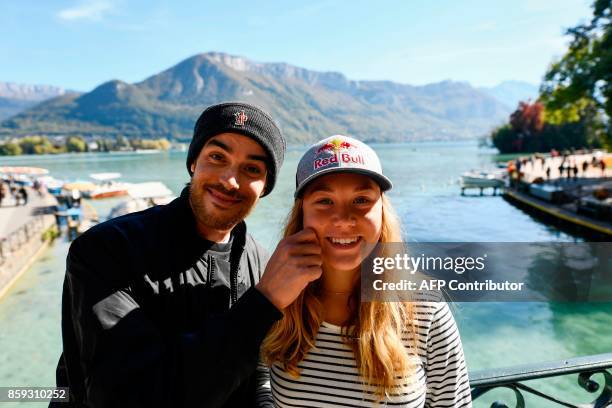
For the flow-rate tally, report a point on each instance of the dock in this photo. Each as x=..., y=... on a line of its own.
x=577, y=222
x=23, y=234
x=573, y=192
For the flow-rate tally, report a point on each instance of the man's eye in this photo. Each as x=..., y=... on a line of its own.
x=253, y=170
x=215, y=156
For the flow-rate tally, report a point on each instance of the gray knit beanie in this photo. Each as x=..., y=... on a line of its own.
x=245, y=119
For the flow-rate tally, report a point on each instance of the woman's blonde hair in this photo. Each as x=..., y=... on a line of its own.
x=374, y=330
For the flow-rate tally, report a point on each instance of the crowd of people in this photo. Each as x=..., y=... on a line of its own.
x=567, y=165
x=12, y=192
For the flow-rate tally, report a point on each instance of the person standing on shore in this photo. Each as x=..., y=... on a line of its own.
x=167, y=307
x=22, y=196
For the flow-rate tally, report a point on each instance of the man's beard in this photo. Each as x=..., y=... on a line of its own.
x=227, y=219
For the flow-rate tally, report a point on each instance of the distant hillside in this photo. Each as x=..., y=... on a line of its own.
x=510, y=93
x=15, y=98
x=306, y=104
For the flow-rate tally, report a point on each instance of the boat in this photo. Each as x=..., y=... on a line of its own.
x=482, y=179
x=79, y=185
x=53, y=185
x=143, y=196
x=26, y=170
x=107, y=186
x=21, y=175
x=599, y=209
x=147, y=151
x=548, y=192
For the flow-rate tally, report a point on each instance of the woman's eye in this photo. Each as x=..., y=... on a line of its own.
x=362, y=200
x=324, y=201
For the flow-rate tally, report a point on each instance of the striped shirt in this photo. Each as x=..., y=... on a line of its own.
x=329, y=375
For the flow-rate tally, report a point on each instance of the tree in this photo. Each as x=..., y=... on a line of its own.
x=528, y=119
x=10, y=149
x=36, y=145
x=122, y=143
x=76, y=144
x=582, y=78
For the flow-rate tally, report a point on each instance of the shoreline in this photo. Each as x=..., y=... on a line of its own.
x=23, y=237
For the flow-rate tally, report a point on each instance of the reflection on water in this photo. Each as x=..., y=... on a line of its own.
x=425, y=195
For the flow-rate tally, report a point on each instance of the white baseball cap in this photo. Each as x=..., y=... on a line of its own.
x=339, y=154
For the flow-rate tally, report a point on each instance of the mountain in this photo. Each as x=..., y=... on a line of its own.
x=510, y=93
x=15, y=98
x=307, y=105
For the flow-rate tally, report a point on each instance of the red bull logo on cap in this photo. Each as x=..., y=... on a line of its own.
x=335, y=146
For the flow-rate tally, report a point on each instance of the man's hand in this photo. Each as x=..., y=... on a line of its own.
x=296, y=261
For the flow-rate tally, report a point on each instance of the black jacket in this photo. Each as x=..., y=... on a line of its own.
x=142, y=327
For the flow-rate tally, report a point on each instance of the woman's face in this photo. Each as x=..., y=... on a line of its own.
x=345, y=210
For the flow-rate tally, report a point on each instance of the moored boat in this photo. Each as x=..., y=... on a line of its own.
x=482, y=179
x=107, y=186
x=143, y=196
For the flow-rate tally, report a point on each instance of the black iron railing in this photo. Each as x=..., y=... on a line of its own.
x=513, y=378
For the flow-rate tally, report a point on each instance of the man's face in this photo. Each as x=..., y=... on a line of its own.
x=229, y=176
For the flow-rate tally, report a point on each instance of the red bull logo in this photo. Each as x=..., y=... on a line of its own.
x=346, y=158
x=335, y=145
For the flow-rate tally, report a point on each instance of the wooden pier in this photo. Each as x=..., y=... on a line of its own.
x=572, y=191
x=584, y=225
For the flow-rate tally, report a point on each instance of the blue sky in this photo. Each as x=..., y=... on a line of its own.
x=78, y=44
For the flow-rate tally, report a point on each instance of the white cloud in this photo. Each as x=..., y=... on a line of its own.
x=92, y=10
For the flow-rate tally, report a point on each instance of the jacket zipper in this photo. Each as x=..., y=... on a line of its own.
x=234, y=284
x=211, y=264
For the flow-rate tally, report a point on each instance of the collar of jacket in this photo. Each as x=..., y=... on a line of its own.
x=181, y=226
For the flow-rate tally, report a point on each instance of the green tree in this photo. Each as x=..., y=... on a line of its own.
x=104, y=145
x=122, y=143
x=579, y=85
x=10, y=149
x=36, y=145
x=76, y=144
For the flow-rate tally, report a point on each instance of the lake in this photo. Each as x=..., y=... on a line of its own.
x=426, y=195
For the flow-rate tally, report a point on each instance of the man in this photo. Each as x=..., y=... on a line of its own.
x=160, y=307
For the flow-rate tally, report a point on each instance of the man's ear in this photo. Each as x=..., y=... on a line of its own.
x=192, y=167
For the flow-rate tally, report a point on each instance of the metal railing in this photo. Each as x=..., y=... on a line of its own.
x=512, y=378
x=20, y=237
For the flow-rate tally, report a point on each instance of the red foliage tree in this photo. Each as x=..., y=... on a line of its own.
x=528, y=118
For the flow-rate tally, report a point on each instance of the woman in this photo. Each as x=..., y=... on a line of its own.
x=330, y=349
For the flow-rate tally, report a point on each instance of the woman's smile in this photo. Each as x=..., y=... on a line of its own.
x=343, y=243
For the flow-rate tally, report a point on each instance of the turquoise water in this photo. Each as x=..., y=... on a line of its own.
x=425, y=195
